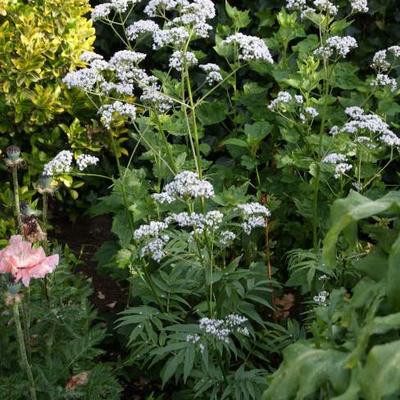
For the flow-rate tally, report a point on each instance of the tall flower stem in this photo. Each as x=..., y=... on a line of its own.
x=22, y=349
x=16, y=199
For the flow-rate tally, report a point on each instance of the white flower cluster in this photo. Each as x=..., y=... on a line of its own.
x=309, y=114
x=139, y=27
x=194, y=16
x=102, y=11
x=107, y=112
x=153, y=229
x=334, y=158
x=359, y=6
x=296, y=5
x=179, y=59
x=384, y=80
x=85, y=160
x=340, y=45
x=155, y=248
x=210, y=221
x=157, y=7
x=185, y=184
x=90, y=56
x=284, y=98
x=125, y=58
x=322, y=298
x=226, y=238
x=152, y=96
x=325, y=6
x=340, y=163
x=213, y=72
x=176, y=36
x=254, y=215
x=371, y=123
x=383, y=59
x=251, y=48
x=85, y=79
x=221, y=329
x=60, y=164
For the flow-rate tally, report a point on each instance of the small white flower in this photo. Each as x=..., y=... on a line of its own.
x=185, y=184
x=322, y=298
x=341, y=169
x=179, y=58
x=174, y=36
x=337, y=44
x=140, y=27
x=60, y=164
x=383, y=80
x=85, y=160
x=152, y=96
x=89, y=56
x=213, y=73
x=125, y=58
x=380, y=62
x=227, y=237
x=155, y=248
x=107, y=112
x=326, y=6
x=334, y=158
x=251, y=48
x=359, y=6
x=84, y=79
x=153, y=229
x=283, y=98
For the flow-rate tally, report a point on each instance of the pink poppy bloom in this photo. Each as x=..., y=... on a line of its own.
x=24, y=262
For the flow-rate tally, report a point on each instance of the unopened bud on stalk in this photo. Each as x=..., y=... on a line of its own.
x=14, y=159
x=45, y=184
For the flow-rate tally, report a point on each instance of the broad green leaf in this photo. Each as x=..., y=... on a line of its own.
x=212, y=113
x=240, y=18
x=381, y=374
x=305, y=370
x=393, y=276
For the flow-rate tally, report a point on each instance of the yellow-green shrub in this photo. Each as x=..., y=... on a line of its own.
x=40, y=41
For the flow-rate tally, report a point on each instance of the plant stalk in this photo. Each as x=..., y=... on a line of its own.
x=22, y=349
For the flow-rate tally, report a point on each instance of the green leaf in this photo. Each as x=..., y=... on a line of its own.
x=393, y=276
x=381, y=374
x=305, y=370
x=212, y=113
x=240, y=19
x=189, y=362
x=236, y=142
x=257, y=131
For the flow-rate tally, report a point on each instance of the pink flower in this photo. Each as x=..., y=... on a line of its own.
x=24, y=262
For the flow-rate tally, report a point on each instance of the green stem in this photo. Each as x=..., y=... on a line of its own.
x=45, y=207
x=22, y=349
x=16, y=200
x=166, y=144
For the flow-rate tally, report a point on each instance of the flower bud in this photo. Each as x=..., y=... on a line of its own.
x=13, y=152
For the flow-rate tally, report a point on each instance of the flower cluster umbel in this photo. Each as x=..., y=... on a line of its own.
x=187, y=186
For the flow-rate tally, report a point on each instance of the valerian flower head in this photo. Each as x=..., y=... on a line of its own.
x=158, y=7
x=90, y=56
x=84, y=79
x=60, y=164
x=180, y=58
x=339, y=45
x=139, y=27
x=359, y=6
x=86, y=160
x=108, y=111
x=322, y=298
x=251, y=48
x=153, y=97
x=185, y=184
x=174, y=36
x=383, y=80
x=254, y=215
x=283, y=98
x=213, y=73
x=221, y=329
x=153, y=229
x=325, y=6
